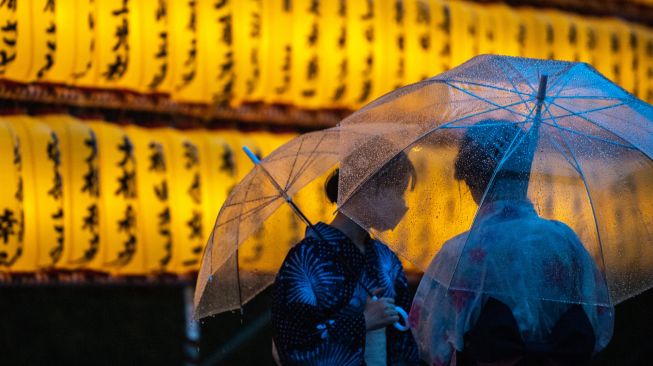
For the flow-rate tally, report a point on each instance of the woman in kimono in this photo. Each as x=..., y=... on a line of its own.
x=321, y=313
x=491, y=312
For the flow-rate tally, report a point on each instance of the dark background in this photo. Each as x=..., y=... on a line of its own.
x=145, y=325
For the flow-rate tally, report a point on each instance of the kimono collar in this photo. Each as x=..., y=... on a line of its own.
x=506, y=210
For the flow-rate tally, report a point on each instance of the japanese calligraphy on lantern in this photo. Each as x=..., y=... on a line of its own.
x=11, y=198
x=360, y=51
x=188, y=83
x=217, y=33
x=418, y=40
x=16, y=53
x=86, y=41
x=305, y=63
x=248, y=32
x=155, y=19
x=42, y=194
x=279, y=14
x=45, y=37
x=185, y=200
x=80, y=172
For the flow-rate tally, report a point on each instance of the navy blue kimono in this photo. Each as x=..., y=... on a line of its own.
x=317, y=315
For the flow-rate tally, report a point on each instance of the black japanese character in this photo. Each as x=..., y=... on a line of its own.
x=227, y=36
x=161, y=10
x=157, y=157
x=127, y=223
x=123, y=10
x=91, y=181
x=195, y=225
x=127, y=149
x=56, y=191
x=127, y=184
x=191, y=153
x=19, y=190
x=220, y=4
x=7, y=222
x=161, y=191
x=10, y=4
x=49, y=6
x=91, y=220
x=227, y=159
x=195, y=189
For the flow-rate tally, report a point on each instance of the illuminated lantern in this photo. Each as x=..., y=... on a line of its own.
x=43, y=21
x=605, y=44
x=85, y=39
x=565, y=36
x=218, y=173
x=12, y=222
x=645, y=64
x=216, y=30
x=488, y=30
x=390, y=47
x=463, y=32
x=533, y=37
x=121, y=252
x=63, y=60
x=153, y=205
x=155, y=73
x=624, y=68
x=42, y=194
x=332, y=25
x=187, y=49
x=16, y=53
x=80, y=170
x=360, y=52
x=418, y=40
x=305, y=63
x=248, y=28
x=441, y=38
x=584, y=33
x=119, y=44
x=508, y=30
x=185, y=199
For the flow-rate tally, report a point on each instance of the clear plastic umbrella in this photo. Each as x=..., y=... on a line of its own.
x=560, y=136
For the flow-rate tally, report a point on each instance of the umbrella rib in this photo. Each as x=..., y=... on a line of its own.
x=489, y=101
x=511, y=148
x=485, y=86
x=570, y=130
x=601, y=127
x=591, y=97
x=502, y=65
x=294, y=162
x=245, y=214
x=589, y=195
x=230, y=204
x=306, y=164
x=423, y=135
x=572, y=114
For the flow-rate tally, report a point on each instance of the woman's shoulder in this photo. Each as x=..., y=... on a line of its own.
x=384, y=251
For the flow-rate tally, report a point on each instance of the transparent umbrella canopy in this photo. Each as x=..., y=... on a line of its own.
x=579, y=149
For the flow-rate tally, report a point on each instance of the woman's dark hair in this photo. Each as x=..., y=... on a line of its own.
x=481, y=149
x=394, y=172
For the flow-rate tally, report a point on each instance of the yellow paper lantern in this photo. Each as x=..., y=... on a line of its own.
x=119, y=44
x=43, y=21
x=42, y=192
x=360, y=52
x=488, y=30
x=333, y=63
x=624, y=68
x=248, y=28
x=645, y=65
x=65, y=28
x=441, y=37
x=80, y=170
x=186, y=50
x=390, y=47
x=508, y=31
x=305, y=59
x=418, y=40
x=604, y=41
x=565, y=36
x=155, y=75
x=217, y=33
x=85, y=64
x=16, y=48
x=584, y=33
x=463, y=32
x=533, y=37
x=217, y=173
x=12, y=223
x=185, y=190
x=153, y=190
x=121, y=253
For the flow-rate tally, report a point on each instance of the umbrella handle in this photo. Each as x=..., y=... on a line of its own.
x=400, y=327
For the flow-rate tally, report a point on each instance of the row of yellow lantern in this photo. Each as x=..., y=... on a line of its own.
x=313, y=54
x=90, y=195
